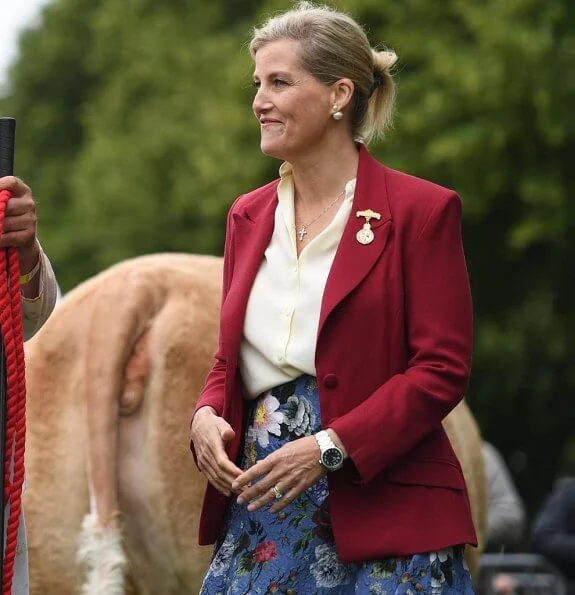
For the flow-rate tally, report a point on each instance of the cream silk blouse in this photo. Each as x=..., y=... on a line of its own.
x=283, y=309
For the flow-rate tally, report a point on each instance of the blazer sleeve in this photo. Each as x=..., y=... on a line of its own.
x=214, y=387
x=439, y=336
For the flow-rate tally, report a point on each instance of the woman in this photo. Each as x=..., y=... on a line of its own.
x=38, y=289
x=346, y=332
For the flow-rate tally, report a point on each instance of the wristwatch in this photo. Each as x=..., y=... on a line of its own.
x=331, y=456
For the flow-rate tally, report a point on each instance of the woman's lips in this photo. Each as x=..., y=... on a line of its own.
x=269, y=122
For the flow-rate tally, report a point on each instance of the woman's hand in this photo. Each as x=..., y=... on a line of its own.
x=209, y=433
x=291, y=469
x=20, y=223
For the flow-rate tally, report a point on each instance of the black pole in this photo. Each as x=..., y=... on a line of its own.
x=7, y=135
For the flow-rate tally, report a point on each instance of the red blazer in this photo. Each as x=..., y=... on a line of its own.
x=392, y=359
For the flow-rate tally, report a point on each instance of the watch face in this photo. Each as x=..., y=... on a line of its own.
x=332, y=458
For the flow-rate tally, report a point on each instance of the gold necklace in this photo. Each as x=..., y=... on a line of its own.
x=303, y=229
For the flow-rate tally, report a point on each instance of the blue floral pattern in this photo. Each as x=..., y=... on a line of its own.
x=293, y=552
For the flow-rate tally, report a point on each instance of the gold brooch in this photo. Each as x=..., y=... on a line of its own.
x=365, y=234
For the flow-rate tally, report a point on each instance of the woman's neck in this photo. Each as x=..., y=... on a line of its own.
x=320, y=176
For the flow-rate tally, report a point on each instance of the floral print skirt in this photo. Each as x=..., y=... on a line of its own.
x=292, y=552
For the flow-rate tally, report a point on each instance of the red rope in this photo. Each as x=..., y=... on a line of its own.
x=12, y=334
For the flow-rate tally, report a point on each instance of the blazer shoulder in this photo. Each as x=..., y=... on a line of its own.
x=410, y=188
x=414, y=200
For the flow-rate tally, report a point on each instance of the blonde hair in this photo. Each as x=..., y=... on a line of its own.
x=333, y=46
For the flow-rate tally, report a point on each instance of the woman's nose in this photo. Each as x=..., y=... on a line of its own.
x=260, y=101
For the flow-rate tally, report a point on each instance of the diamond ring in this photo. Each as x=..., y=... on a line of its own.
x=277, y=494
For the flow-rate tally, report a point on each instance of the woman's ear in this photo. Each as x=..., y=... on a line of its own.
x=342, y=93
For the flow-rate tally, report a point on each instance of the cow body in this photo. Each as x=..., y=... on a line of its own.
x=112, y=378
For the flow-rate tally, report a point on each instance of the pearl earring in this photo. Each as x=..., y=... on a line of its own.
x=337, y=114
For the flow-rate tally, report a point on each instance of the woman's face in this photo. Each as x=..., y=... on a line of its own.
x=294, y=109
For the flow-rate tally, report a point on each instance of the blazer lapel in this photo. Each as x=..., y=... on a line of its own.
x=253, y=228
x=354, y=260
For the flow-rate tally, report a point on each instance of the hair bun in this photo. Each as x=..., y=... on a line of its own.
x=383, y=60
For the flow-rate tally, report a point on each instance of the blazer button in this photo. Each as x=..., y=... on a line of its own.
x=330, y=380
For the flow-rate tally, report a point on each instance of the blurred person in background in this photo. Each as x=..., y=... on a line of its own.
x=553, y=533
x=505, y=509
x=505, y=584
x=345, y=339
x=505, y=515
x=38, y=289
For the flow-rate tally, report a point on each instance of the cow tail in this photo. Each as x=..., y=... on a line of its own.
x=121, y=308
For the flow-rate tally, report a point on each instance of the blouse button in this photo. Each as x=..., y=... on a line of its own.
x=330, y=380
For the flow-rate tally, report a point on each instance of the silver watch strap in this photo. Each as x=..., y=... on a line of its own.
x=324, y=441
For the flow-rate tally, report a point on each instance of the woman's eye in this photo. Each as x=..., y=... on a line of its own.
x=275, y=83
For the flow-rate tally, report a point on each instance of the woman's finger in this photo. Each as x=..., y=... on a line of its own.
x=227, y=466
x=272, y=492
x=255, y=472
x=288, y=496
x=222, y=488
x=219, y=485
x=219, y=467
x=209, y=463
x=261, y=492
x=252, y=491
x=215, y=476
x=221, y=464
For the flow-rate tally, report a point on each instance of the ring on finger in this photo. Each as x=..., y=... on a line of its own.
x=277, y=494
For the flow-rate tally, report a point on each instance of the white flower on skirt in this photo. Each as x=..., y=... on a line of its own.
x=328, y=570
x=267, y=420
x=299, y=417
x=222, y=559
x=441, y=555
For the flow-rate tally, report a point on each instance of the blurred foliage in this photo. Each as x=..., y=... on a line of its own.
x=135, y=132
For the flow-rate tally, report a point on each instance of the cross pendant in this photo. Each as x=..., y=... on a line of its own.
x=301, y=233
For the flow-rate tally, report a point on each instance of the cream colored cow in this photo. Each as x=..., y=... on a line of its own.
x=112, y=378
x=465, y=438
